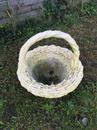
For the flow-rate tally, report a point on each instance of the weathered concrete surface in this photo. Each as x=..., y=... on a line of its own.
x=22, y=9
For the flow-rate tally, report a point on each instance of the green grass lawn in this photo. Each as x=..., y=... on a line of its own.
x=20, y=110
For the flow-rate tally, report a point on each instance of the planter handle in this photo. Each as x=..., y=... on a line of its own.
x=45, y=35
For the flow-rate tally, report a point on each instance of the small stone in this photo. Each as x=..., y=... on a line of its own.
x=85, y=121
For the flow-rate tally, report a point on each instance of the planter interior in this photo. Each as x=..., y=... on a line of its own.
x=49, y=71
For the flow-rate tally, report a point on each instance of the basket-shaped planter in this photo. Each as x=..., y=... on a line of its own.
x=50, y=71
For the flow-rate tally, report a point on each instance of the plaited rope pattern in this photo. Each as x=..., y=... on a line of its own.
x=74, y=65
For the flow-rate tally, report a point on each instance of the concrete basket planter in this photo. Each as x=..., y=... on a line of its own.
x=50, y=71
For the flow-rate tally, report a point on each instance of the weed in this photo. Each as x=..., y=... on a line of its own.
x=54, y=9
x=47, y=106
x=89, y=9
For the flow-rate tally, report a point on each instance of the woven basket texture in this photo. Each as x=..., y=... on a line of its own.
x=50, y=71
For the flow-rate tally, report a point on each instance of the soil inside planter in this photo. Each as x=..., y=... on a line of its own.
x=50, y=71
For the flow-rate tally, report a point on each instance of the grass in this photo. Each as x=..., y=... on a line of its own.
x=30, y=27
x=20, y=110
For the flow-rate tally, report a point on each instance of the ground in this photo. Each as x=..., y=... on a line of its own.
x=21, y=110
